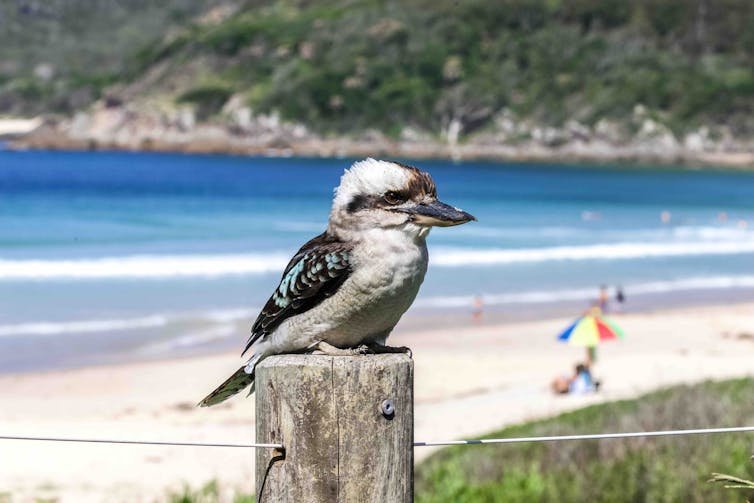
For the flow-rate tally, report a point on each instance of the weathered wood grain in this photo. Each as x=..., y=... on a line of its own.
x=340, y=446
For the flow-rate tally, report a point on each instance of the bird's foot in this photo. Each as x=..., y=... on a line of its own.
x=380, y=348
x=323, y=348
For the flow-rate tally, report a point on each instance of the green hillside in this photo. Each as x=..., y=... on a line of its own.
x=343, y=66
x=58, y=55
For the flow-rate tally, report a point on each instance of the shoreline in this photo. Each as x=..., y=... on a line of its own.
x=418, y=319
x=469, y=380
x=120, y=129
x=627, y=157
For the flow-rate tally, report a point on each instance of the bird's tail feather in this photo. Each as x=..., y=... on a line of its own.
x=235, y=384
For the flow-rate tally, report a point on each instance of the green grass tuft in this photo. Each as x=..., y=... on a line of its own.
x=209, y=493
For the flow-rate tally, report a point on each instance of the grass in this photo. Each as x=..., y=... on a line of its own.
x=658, y=470
x=208, y=98
x=209, y=493
x=732, y=482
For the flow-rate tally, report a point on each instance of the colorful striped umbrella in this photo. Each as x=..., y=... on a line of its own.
x=590, y=330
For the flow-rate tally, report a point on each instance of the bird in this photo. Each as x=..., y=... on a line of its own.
x=345, y=290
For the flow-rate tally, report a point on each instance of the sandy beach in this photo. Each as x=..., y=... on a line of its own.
x=469, y=380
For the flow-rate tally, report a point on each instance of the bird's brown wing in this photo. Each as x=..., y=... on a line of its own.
x=313, y=274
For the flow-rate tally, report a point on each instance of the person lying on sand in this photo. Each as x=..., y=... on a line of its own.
x=580, y=383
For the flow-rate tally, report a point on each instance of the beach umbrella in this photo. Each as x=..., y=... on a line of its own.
x=590, y=330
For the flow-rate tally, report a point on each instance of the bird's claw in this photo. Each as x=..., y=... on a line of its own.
x=323, y=348
x=379, y=348
x=362, y=350
x=406, y=351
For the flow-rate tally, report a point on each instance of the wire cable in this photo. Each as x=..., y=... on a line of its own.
x=513, y=440
x=137, y=442
x=597, y=436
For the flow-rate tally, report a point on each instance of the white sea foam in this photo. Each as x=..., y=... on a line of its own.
x=711, y=233
x=142, y=266
x=172, y=266
x=459, y=257
x=657, y=234
x=575, y=294
x=55, y=328
x=120, y=324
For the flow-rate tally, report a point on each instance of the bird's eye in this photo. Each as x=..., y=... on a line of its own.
x=393, y=198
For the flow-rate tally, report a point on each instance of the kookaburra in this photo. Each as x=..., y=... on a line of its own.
x=345, y=290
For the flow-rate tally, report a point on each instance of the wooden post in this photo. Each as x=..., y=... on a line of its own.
x=347, y=424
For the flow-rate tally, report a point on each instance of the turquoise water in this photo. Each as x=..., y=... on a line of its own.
x=103, y=254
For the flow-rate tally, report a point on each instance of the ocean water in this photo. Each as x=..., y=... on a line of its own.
x=105, y=256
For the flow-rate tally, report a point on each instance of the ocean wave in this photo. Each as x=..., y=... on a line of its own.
x=459, y=257
x=55, y=328
x=710, y=233
x=172, y=266
x=192, y=339
x=577, y=294
x=121, y=324
x=142, y=266
x=683, y=233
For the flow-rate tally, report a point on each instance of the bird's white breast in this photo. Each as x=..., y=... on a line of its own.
x=388, y=267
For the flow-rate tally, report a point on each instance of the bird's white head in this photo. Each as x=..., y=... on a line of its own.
x=376, y=194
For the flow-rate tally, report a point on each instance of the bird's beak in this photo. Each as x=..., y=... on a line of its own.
x=436, y=213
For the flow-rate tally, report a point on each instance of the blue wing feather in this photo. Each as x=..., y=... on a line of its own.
x=313, y=274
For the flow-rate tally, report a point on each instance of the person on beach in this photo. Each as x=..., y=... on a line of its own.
x=580, y=383
x=620, y=298
x=477, y=310
x=603, y=299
